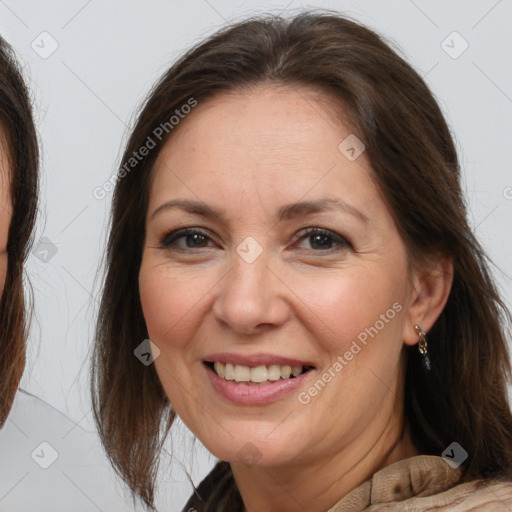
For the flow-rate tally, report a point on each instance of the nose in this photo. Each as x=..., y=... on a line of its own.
x=251, y=297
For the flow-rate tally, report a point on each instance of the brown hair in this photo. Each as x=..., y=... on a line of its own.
x=23, y=155
x=414, y=162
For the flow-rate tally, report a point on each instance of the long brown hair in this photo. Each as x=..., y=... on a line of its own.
x=414, y=162
x=17, y=122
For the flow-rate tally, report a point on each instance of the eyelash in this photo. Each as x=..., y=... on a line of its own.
x=172, y=237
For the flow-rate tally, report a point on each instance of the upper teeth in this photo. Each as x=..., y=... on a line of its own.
x=240, y=373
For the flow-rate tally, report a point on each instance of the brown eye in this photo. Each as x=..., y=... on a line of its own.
x=193, y=238
x=324, y=240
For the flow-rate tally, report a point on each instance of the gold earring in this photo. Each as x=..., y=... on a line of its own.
x=422, y=347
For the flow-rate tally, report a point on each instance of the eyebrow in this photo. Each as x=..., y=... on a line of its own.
x=285, y=212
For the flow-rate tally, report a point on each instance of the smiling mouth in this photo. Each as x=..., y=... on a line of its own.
x=257, y=375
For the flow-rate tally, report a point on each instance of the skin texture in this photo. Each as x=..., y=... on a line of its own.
x=247, y=154
x=5, y=207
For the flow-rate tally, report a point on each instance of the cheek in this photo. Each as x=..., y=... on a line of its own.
x=344, y=304
x=169, y=304
x=361, y=347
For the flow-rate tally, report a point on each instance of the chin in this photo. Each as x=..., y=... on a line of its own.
x=253, y=450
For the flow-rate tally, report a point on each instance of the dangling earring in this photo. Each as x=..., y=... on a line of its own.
x=422, y=347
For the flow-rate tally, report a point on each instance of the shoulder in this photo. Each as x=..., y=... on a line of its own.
x=477, y=495
x=427, y=483
x=485, y=494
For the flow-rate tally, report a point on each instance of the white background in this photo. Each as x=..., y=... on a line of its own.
x=86, y=92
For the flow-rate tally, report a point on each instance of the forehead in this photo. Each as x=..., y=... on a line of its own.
x=263, y=120
x=267, y=142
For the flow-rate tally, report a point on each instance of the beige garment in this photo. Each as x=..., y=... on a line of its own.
x=425, y=483
x=419, y=484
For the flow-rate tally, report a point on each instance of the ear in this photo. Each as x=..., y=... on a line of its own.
x=430, y=290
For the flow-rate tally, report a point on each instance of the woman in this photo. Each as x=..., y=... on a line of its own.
x=287, y=226
x=19, y=157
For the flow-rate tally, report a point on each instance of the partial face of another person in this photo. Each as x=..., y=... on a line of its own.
x=301, y=265
x=5, y=206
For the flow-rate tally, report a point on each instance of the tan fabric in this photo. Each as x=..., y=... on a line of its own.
x=425, y=483
x=419, y=484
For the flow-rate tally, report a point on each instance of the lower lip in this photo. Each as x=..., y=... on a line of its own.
x=255, y=395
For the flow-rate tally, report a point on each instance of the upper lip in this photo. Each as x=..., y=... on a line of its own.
x=252, y=360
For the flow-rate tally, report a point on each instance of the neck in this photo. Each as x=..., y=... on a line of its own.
x=322, y=481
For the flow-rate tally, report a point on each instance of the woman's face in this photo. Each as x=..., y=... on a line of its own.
x=253, y=285
x=5, y=207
